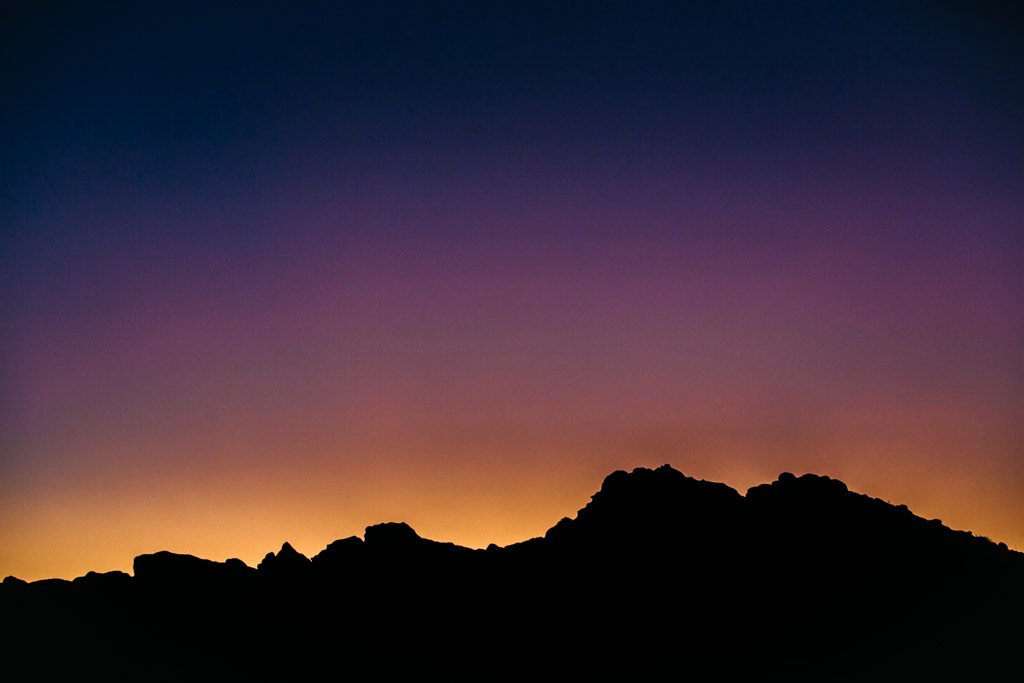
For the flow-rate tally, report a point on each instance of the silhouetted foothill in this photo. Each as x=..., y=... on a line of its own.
x=659, y=574
x=172, y=570
x=660, y=497
x=339, y=555
x=391, y=534
x=106, y=580
x=287, y=563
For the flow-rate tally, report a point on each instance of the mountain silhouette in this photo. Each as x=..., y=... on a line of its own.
x=658, y=575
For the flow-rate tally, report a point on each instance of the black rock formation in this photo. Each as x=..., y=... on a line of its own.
x=287, y=565
x=659, y=575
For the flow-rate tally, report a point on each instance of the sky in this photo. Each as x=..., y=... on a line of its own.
x=279, y=271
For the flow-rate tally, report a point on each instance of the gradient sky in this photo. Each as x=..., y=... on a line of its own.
x=275, y=274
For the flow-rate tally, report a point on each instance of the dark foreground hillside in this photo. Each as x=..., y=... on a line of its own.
x=659, y=575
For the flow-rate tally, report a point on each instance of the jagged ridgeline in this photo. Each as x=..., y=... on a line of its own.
x=660, y=574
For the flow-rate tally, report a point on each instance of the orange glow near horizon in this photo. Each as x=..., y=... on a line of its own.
x=466, y=498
